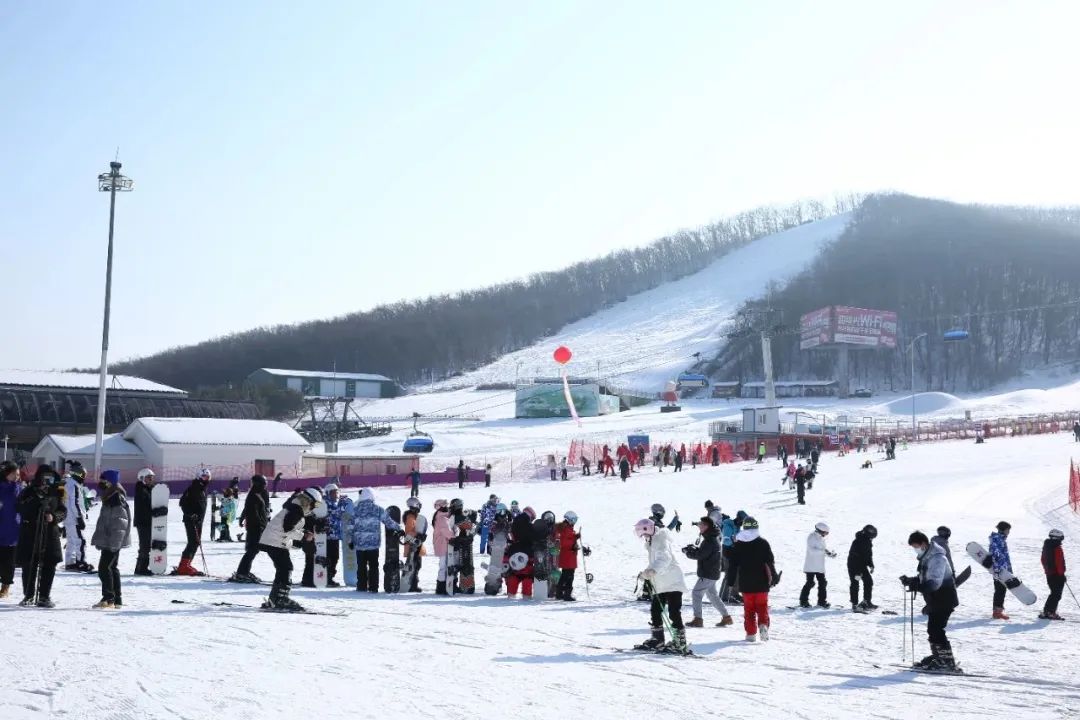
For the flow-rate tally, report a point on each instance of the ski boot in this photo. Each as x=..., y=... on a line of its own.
x=725, y=621
x=248, y=578
x=751, y=638
x=868, y=605
x=678, y=645
x=45, y=603
x=102, y=605
x=85, y=567
x=186, y=569
x=279, y=600
x=824, y=605
x=333, y=584
x=1042, y=616
x=999, y=614
x=26, y=602
x=653, y=643
x=804, y=605
x=440, y=588
x=143, y=572
x=859, y=608
x=696, y=623
x=763, y=632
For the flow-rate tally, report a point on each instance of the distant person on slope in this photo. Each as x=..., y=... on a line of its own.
x=800, y=485
x=761, y=453
x=1053, y=562
x=934, y=580
x=860, y=566
x=1076, y=431
x=284, y=531
x=666, y=579
x=414, y=483
x=755, y=568
x=461, y=474
x=814, y=567
x=999, y=558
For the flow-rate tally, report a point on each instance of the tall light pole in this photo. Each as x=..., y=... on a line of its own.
x=911, y=349
x=111, y=182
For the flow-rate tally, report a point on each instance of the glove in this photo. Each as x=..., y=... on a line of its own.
x=678, y=524
x=241, y=522
x=831, y=553
x=911, y=583
x=351, y=546
x=647, y=574
x=776, y=580
x=586, y=550
x=871, y=569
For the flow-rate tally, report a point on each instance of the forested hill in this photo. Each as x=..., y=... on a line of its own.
x=1009, y=276
x=440, y=336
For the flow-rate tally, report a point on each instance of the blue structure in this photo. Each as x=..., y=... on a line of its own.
x=692, y=380
x=418, y=443
x=955, y=335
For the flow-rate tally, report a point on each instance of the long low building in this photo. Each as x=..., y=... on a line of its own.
x=327, y=384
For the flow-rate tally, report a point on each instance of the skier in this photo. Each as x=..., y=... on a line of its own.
x=367, y=539
x=657, y=513
x=521, y=545
x=75, y=491
x=193, y=509
x=679, y=459
x=1076, y=431
x=277, y=482
x=707, y=554
x=753, y=562
x=10, y=487
x=285, y=530
x=254, y=518
x=415, y=535
x=999, y=556
x=441, y=533
x=815, y=455
x=487, y=517
x=729, y=528
x=143, y=519
x=1053, y=562
x=586, y=466
x=335, y=506
x=42, y=508
x=666, y=579
x=761, y=453
x=860, y=566
x=552, y=467
x=814, y=567
x=569, y=542
x=935, y=581
x=111, y=534
x=562, y=469
x=624, y=468
x=800, y=485
x=414, y=483
x=789, y=477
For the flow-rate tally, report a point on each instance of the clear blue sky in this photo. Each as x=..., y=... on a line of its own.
x=296, y=161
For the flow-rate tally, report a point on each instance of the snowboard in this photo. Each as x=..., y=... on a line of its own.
x=392, y=566
x=497, y=567
x=466, y=570
x=554, y=572
x=413, y=546
x=159, y=529
x=320, y=573
x=1020, y=591
x=348, y=557
x=540, y=574
x=215, y=516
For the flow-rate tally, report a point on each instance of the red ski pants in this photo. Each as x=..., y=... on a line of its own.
x=513, y=580
x=755, y=611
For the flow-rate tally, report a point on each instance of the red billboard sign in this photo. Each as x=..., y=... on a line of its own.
x=850, y=326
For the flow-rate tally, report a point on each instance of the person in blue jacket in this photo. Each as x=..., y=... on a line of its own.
x=9, y=524
x=367, y=539
x=999, y=557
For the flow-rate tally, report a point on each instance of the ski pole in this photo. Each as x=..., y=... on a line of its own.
x=38, y=555
x=911, y=609
x=585, y=567
x=202, y=554
x=1072, y=593
x=903, y=656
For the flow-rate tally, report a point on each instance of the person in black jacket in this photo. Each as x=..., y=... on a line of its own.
x=143, y=519
x=461, y=475
x=42, y=510
x=193, y=508
x=253, y=518
x=860, y=566
x=800, y=484
x=521, y=541
x=707, y=554
x=934, y=580
x=755, y=571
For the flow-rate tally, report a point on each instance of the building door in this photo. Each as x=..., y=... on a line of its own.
x=264, y=468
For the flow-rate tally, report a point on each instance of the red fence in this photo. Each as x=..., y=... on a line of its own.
x=1074, y=486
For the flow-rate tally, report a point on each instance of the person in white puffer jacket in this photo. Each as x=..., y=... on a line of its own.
x=668, y=586
x=291, y=525
x=816, y=552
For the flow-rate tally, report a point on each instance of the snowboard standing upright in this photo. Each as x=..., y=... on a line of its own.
x=215, y=516
x=392, y=566
x=413, y=547
x=348, y=557
x=497, y=566
x=320, y=572
x=1019, y=590
x=554, y=572
x=159, y=529
x=466, y=571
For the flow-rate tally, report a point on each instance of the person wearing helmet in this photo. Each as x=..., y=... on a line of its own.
x=860, y=566
x=814, y=567
x=288, y=528
x=487, y=517
x=366, y=539
x=666, y=580
x=9, y=524
x=999, y=559
x=442, y=533
x=515, y=509
x=522, y=544
x=1053, y=563
x=754, y=568
x=42, y=507
x=935, y=581
x=143, y=519
x=76, y=493
x=416, y=527
x=193, y=509
x=569, y=541
x=254, y=518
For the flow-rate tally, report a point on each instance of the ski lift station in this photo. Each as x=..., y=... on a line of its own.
x=327, y=383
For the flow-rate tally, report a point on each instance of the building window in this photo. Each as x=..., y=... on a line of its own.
x=391, y=470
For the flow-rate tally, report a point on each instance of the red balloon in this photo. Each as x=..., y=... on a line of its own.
x=562, y=354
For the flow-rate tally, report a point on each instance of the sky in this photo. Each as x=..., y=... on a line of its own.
x=298, y=161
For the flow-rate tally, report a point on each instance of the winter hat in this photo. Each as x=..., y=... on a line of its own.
x=513, y=503
x=530, y=512
x=111, y=476
x=657, y=510
x=259, y=480
x=1056, y=534
x=870, y=531
x=500, y=508
x=708, y=505
x=1003, y=526
x=570, y=516
x=315, y=494
x=44, y=474
x=741, y=516
x=749, y=523
x=944, y=532
x=820, y=527
x=204, y=474
x=706, y=520
x=367, y=496
x=7, y=467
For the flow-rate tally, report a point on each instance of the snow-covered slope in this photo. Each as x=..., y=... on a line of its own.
x=424, y=656
x=649, y=338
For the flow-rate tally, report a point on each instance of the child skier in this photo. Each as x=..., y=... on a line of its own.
x=814, y=567
x=666, y=578
x=228, y=514
x=415, y=534
x=935, y=581
x=1053, y=562
x=707, y=554
x=755, y=570
x=860, y=566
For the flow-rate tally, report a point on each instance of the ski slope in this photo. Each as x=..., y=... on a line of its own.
x=454, y=657
x=649, y=338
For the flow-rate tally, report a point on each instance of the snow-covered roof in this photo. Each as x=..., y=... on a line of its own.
x=793, y=383
x=60, y=379
x=214, y=431
x=328, y=374
x=112, y=445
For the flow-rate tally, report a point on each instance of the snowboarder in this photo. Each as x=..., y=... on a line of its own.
x=935, y=581
x=10, y=487
x=42, y=508
x=415, y=534
x=707, y=554
x=335, y=507
x=193, y=509
x=666, y=579
x=75, y=492
x=414, y=483
x=814, y=567
x=254, y=518
x=800, y=484
x=286, y=529
x=1053, y=563
x=487, y=517
x=143, y=519
x=999, y=555
x=755, y=569
x=442, y=533
x=569, y=542
x=521, y=546
x=367, y=539
x=860, y=566
x=111, y=534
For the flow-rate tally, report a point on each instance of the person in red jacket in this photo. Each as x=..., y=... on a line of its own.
x=568, y=539
x=1053, y=562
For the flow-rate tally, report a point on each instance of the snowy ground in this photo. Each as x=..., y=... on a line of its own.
x=453, y=657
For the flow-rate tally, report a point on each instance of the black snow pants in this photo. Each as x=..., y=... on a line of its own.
x=367, y=570
x=868, y=585
x=193, y=530
x=673, y=602
x=1057, y=584
x=822, y=584
x=282, y=565
x=935, y=627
